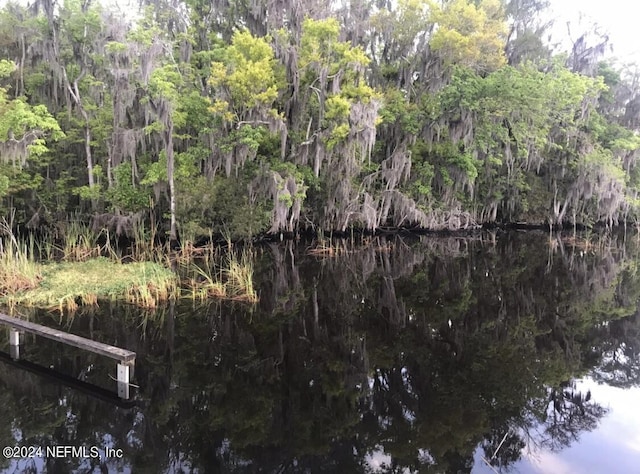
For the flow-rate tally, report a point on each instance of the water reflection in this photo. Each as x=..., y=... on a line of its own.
x=435, y=355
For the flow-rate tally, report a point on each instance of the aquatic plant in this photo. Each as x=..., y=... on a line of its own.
x=205, y=283
x=239, y=277
x=145, y=246
x=232, y=280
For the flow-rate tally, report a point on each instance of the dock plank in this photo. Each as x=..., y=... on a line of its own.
x=122, y=355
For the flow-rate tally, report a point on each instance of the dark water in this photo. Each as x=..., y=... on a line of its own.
x=508, y=354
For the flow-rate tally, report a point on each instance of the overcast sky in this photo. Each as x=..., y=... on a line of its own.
x=618, y=17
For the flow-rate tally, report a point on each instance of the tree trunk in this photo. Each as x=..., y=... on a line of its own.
x=74, y=91
x=87, y=150
x=173, y=232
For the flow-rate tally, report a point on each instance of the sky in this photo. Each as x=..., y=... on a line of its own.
x=619, y=18
x=613, y=447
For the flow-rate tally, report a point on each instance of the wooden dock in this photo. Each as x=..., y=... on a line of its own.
x=121, y=355
x=125, y=358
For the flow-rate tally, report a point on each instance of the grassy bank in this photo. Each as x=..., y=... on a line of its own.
x=66, y=285
x=82, y=278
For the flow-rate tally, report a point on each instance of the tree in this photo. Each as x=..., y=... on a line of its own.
x=24, y=130
x=163, y=97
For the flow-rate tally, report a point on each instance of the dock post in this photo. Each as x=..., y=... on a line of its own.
x=124, y=377
x=14, y=337
x=123, y=372
x=123, y=390
x=14, y=352
x=14, y=343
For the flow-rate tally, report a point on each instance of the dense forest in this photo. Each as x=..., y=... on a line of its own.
x=249, y=116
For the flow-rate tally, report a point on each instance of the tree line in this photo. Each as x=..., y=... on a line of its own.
x=251, y=116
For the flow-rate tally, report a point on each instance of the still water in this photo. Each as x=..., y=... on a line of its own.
x=496, y=353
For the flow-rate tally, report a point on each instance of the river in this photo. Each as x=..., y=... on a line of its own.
x=513, y=352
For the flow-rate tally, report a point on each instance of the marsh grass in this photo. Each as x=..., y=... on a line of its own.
x=86, y=276
x=239, y=277
x=66, y=285
x=188, y=252
x=18, y=269
x=80, y=242
x=204, y=283
x=145, y=247
x=231, y=280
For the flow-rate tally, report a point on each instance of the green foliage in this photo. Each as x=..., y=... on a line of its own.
x=318, y=40
x=221, y=207
x=165, y=84
x=87, y=193
x=185, y=167
x=4, y=185
x=470, y=34
x=20, y=179
x=247, y=78
x=409, y=111
x=21, y=123
x=337, y=108
x=124, y=195
x=18, y=120
x=398, y=108
x=6, y=68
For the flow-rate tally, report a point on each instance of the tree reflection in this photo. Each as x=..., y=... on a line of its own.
x=407, y=353
x=569, y=414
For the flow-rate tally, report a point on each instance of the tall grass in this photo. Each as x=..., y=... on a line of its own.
x=77, y=275
x=239, y=277
x=231, y=280
x=204, y=282
x=80, y=242
x=153, y=284
x=144, y=248
x=18, y=269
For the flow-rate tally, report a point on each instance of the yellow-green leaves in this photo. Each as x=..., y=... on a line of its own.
x=337, y=108
x=321, y=50
x=332, y=73
x=6, y=67
x=470, y=34
x=166, y=86
x=247, y=78
x=165, y=82
x=319, y=38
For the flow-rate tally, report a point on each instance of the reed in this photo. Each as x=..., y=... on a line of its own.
x=153, y=284
x=80, y=242
x=239, y=277
x=144, y=248
x=233, y=280
x=18, y=269
x=205, y=283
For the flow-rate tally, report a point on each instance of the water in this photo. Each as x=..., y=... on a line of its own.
x=487, y=354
